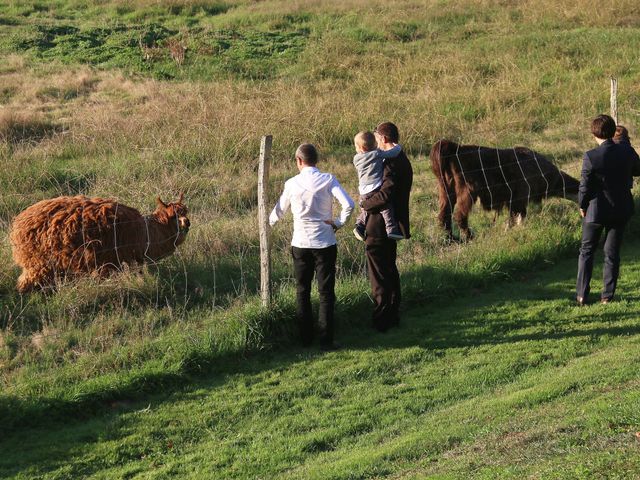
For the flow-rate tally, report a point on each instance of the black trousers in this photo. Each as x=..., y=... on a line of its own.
x=385, y=282
x=591, y=233
x=322, y=261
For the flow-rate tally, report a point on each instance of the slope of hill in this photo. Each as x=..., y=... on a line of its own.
x=513, y=381
x=137, y=99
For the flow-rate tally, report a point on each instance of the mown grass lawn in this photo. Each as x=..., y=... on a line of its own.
x=513, y=381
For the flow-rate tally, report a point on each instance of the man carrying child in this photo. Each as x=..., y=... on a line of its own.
x=381, y=250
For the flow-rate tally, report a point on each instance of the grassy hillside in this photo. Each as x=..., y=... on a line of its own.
x=511, y=381
x=137, y=99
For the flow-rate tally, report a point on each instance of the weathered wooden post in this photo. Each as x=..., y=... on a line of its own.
x=614, y=99
x=263, y=220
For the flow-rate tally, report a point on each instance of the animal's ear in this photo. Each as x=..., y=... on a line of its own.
x=181, y=197
x=160, y=203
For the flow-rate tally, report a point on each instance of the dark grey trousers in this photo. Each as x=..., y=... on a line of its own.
x=591, y=233
x=388, y=215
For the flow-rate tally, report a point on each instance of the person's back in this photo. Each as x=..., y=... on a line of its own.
x=609, y=183
x=369, y=162
x=399, y=179
x=404, y=180
x=311, y=205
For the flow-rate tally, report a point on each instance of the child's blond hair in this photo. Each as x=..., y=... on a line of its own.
x=366, y=141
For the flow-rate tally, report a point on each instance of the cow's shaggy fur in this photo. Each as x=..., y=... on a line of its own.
x=69, y=236
x=500, y=178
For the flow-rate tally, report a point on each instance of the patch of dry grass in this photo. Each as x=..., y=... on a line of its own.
x=20, y=128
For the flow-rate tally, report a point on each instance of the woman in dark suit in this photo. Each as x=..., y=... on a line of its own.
x=606, y=205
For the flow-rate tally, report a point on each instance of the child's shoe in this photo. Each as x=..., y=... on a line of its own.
x=360, y=232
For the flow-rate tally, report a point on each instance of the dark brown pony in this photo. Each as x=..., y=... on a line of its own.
x=500, y=178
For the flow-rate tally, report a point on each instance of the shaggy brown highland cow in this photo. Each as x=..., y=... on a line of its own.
x=69, y=236
x=500, y=178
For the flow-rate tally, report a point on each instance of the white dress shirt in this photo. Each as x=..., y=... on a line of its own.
x=310, y=195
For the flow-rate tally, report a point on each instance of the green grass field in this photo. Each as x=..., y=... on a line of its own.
x=511, y=381
x=135, y=99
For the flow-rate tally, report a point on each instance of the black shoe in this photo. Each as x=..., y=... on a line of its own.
x=605, y=300
x=360, y=232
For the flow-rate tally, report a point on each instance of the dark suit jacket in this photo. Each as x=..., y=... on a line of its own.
x=635, y=171
x=605, y=184
x=396, y=188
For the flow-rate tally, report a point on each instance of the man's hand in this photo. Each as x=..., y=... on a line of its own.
x=583, y=213
x=332, y=223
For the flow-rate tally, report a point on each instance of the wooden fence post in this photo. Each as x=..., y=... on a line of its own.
x=614, y=99
x=263, y=220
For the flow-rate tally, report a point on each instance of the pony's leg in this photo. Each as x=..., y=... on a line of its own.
x=461, y=216
x=517, y=215
x=105, y=271
x=26, y=282
x=446, y=201
x=30, y=280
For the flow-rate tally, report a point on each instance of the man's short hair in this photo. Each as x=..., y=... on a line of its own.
x=308, y=154
x=389, y=131
x=366, y=141
x=621, y=134
x=603, y=127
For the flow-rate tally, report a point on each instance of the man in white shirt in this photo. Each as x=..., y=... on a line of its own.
x=310, y=195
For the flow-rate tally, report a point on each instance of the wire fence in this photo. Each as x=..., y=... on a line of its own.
x=9, y=200
x=107, y=238
x=233, y=274
x=524, y=174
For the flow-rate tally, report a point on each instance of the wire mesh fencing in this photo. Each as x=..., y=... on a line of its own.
x=202, y=264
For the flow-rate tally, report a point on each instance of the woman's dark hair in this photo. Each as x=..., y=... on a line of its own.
x=603, y=127
x=621, y=134
x=389, y=131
